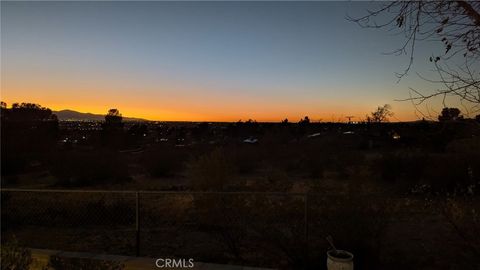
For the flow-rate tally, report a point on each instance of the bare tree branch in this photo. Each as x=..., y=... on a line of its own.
x=456, y=24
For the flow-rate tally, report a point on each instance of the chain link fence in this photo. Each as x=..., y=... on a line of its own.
x=271, y=229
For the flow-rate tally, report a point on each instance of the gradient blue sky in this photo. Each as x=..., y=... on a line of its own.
x=204, y=60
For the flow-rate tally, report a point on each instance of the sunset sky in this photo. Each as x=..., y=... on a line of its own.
x=204, y=61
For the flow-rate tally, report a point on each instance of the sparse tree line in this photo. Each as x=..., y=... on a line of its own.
x=99, y=160
x=355, y=158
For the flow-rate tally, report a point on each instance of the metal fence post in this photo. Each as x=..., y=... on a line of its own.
x=137, y=226
x=306, y=229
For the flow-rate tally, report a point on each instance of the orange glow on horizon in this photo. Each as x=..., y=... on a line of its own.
x=154, y=114
x=171, y=105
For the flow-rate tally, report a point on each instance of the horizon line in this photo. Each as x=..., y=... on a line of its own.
x=328, y=118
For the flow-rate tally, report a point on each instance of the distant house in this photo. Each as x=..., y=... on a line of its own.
x=251, y=140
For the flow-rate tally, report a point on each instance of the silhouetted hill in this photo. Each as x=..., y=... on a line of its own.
x=79, y=116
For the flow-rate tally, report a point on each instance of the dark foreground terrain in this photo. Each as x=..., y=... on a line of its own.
x=397, y=195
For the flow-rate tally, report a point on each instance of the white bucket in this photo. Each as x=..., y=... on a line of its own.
x=343, y=260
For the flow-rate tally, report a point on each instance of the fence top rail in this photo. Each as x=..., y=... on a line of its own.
x=186, y=192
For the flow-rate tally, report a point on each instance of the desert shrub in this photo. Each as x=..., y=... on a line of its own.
x=277, y=135
x=315, y=167
x=389, y=166
x=315, y=162
x=286, y=157
x=275, y=175
x=468, y=150
x=406, y=167
x=345, y=163
x=474, y=171
x=278, y=222
x=13, y=163
x=329, y=153
x=88, y=168
x=242, y=223
x=166, y=160
x=211, y=171
x=448, y=173
x=466, y=146
x=62, y=263
x=271, y=179
x=15, y=257
x=463, y=216
x=247, y=158
x=223, y=217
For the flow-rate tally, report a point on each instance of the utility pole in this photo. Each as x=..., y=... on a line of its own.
x=349, y=118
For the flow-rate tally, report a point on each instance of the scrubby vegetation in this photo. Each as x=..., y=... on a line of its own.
x=375, y=187
x=15, y=257
x=62, y=263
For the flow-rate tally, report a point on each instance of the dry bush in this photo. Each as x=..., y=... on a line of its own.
x=222, y=215
x=467, y=146
x=211, y=171
x=346, y=163
x=404, y=168
x=286, y=157
x=15, y=257
x=279, y=224
x=275, y=179
x=63, y=263
x=167, y=160
x=463, y=214
x=315, y=161
x=449, y=173
x=217, y=213
x=247, y=158
x=83, y=168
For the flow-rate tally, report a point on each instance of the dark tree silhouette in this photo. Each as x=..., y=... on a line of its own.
x=304, y=121
x=28, y=115
x=302, y=127
x=28, y=130
x=112, y=134
x=113, y=120
x=113, y=116
x=456, y=24
x=381, y=114
x=28, y=112
x=450, y=114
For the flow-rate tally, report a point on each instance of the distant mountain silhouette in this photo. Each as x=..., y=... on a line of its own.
x=79, y=116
